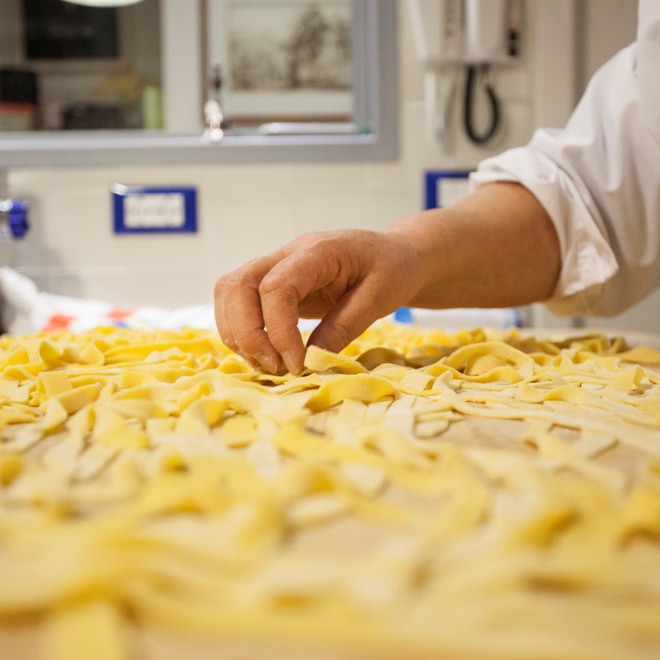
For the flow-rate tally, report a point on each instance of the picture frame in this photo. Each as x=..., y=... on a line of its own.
x=282, y=60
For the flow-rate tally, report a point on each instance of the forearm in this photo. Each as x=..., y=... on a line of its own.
x=496, y=248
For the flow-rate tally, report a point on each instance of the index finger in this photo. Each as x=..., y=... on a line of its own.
x=238, y=313
x=281, y=291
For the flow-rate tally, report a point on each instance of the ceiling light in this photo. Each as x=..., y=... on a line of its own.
x=103, y=3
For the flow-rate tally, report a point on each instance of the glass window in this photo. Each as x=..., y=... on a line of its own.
x=289, y=77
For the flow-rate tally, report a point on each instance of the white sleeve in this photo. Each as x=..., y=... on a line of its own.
x=599, y=180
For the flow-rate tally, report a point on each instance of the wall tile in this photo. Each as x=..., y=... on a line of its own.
x=135, y=287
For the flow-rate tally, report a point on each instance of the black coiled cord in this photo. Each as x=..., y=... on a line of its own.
x=473, y=70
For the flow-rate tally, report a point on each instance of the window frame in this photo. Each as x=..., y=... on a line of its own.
x=375, y=99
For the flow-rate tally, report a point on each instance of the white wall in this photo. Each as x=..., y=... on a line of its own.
x=608, y=26
x=247, y=210
x=244, y=210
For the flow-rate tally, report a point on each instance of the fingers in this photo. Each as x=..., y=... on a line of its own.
x=238, y=315
x=256, y=306
x=348, y=276
x=354, y=313
x=281, y=292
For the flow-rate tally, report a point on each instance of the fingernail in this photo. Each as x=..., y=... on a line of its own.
x=268, y=363
x=291, y=363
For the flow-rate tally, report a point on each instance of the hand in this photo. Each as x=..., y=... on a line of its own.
x=495, y=248
x=347, y=278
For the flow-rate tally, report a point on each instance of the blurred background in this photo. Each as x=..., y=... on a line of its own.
x=162, y=143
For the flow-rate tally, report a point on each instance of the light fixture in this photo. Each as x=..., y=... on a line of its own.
x=103, y=3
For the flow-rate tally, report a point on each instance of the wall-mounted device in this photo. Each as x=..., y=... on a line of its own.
x=451, y=35
x=13, y=225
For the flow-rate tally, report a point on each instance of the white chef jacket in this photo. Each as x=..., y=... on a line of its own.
x=599, y=180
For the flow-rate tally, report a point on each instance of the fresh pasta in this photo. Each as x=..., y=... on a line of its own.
x=421, y=495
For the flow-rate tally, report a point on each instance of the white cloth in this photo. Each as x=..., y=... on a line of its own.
x=599, y=180
x=25, y=310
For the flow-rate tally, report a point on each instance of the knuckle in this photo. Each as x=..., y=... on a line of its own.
x=305, y=240
x=324, y=242
x=273, y=283
x=233, y=283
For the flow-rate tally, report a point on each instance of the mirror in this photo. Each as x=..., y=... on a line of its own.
x=82, y=85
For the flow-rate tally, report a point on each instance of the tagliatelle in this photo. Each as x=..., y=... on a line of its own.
x=421, y=495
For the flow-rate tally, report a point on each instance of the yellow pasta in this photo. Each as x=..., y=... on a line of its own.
x=421, y=495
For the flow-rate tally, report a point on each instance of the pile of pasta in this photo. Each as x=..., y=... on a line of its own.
x=421, y=494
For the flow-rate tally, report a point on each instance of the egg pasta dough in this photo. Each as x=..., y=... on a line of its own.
x=421, y=495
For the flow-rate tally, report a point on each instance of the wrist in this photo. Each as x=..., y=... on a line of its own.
x=435, y=256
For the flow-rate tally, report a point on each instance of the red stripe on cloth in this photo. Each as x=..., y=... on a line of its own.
x=57, y=322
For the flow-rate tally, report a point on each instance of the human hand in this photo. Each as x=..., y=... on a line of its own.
x=496, y=248
x=347, y=278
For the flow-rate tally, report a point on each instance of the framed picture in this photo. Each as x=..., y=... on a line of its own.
x=283, y=60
